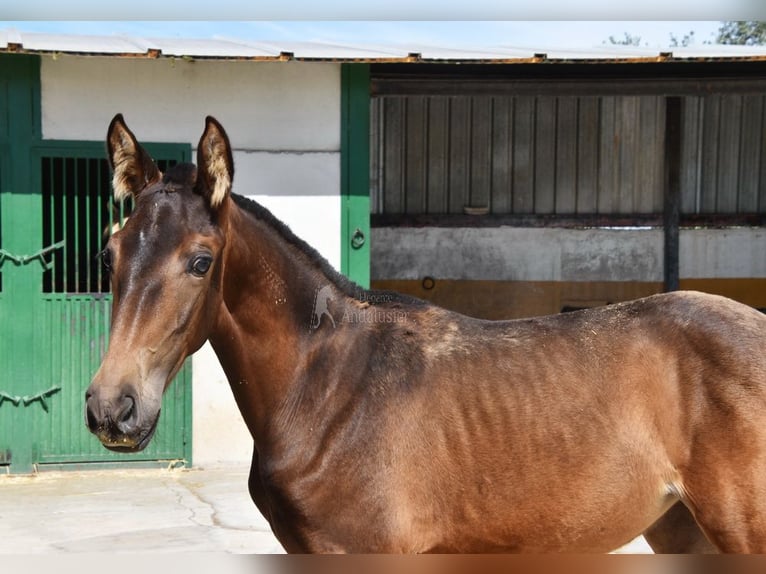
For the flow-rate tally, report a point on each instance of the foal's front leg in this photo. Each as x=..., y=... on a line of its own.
x=256, y=489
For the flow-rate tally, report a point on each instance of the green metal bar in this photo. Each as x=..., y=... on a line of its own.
x=64, y=227
x=100, y=216
x=71, y=191
x=88, y=225
x=77, y=199
x=48, y=335
x=51, y=208
x=48, y=207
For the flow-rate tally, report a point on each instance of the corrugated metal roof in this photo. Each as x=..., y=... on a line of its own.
x=237, y=49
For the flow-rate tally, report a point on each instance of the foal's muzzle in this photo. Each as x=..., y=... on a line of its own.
x=113, y=414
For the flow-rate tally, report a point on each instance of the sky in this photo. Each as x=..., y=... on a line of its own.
x=559, y=34
x=443, y=23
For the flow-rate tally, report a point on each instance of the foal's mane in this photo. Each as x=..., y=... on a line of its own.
x=255, y=209
x=342, y=282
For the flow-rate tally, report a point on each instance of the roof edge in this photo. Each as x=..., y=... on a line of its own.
x=231, y=49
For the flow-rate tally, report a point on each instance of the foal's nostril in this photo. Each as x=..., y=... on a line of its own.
x=125, y=414
x=90, y=418
x=130, y=406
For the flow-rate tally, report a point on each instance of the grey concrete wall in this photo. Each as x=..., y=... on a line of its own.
x=527, y=254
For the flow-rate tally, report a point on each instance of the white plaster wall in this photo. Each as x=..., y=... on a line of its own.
x=283, y=120
x=524, y=254
x=263, y=105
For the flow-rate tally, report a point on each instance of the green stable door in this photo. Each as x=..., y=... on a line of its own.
x=56, y=213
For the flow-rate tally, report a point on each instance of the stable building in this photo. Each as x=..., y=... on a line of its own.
x=500, y=183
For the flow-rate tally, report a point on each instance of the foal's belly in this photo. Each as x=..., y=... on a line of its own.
x=528, y=512
x=543, y=527
x=593, y=505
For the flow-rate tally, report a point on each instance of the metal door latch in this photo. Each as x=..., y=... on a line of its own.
x=24, y=259
x=41, y=396
x=357, y=238
x=28, y=399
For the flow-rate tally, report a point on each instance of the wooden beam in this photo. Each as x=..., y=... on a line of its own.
x=505, y=86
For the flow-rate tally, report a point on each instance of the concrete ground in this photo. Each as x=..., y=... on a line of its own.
x=146, y=511
x=138, y=511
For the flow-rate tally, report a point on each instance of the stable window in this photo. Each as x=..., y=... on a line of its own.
x=79, y=215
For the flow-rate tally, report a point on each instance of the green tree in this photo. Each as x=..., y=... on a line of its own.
x=626, y=40
x=686, y=41
x=746, y=33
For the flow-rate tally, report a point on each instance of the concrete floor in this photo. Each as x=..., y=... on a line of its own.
x=139, y=511
x=147, y=511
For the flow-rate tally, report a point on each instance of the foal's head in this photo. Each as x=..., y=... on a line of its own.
x=165, y=266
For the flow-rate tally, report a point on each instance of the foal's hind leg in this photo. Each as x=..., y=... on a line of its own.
x=676, y=532
x=726, y=489
x=732, y=514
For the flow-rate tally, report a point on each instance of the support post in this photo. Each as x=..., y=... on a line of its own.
x=355, y=172
x=674, y=111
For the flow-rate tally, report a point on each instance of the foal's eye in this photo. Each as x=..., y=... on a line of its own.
x=200, y=265
x=106, y=259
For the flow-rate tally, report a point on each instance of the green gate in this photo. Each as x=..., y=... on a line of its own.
x=56, y=213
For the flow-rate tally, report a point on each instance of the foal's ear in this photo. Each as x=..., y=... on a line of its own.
x=215, y=165
x=133, y=167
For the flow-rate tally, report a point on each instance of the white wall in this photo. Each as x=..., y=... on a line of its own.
x=283, y=120
x=523, y=254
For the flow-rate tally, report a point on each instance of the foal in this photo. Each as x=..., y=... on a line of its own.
x=382, y=423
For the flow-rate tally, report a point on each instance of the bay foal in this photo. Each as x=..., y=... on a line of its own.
x=403, y=427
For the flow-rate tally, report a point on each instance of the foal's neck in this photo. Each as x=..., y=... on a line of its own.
x=267, y=323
